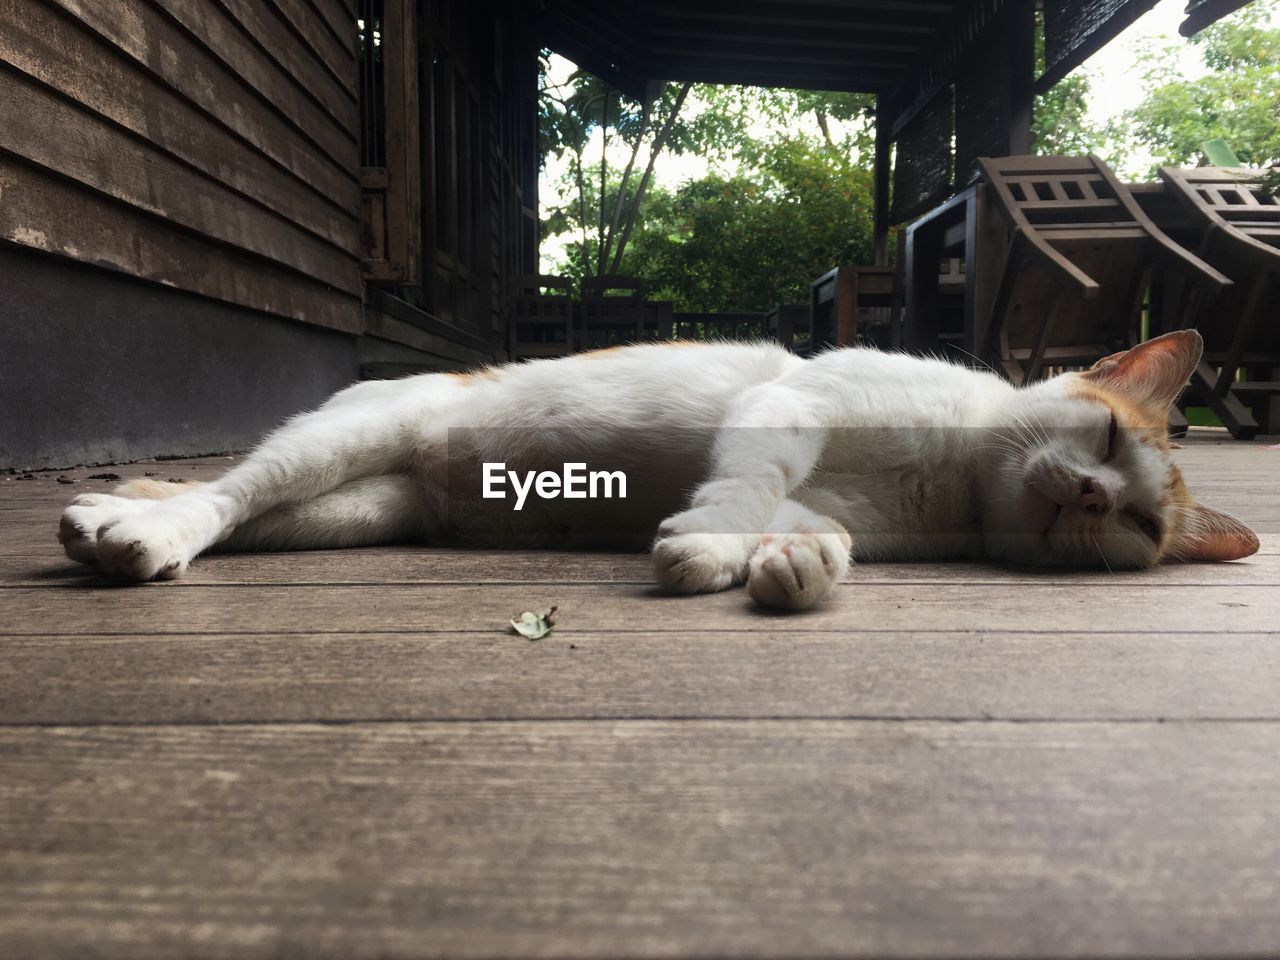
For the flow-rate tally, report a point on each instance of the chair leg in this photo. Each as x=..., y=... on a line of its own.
x=1036, y=361
x=1012, y=266
x=1249, y=318
x=1228, y=408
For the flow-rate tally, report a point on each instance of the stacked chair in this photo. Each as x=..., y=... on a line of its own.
x=1076, y=265
x=1238, y=228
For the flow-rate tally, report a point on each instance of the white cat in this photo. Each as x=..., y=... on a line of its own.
x=766, y=467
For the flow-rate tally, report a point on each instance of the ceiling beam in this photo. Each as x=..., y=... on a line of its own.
x=753, y=76
x=774, y=53
x=787, y=36
x=803, y=14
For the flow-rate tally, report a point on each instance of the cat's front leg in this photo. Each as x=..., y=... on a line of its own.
x=799, y=560
x=768, y=446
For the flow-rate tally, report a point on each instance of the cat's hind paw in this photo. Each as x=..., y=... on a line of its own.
x=144, y=547
x=796, y=571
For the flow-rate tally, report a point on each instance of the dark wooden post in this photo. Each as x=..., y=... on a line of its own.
x=1020, y=35
x=884, y=147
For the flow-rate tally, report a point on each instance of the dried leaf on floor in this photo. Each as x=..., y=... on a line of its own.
x=534, y=626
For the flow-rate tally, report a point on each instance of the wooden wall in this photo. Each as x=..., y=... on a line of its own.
x=206, y=145
x=477, y=90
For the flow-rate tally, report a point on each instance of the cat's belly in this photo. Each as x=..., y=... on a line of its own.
x=904, y=513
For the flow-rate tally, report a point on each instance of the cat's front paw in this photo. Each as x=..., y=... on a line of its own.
x=144, y=547
x=689, y=558
x=796, y=571
x=85, y=515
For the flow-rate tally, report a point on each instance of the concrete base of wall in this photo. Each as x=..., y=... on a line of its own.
x=97, y=368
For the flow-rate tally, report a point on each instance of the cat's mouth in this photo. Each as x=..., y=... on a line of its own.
x=1057, y=515
x=1040, y=511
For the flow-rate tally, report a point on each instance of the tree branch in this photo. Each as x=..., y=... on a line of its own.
x=658, y=144
x=626, y=179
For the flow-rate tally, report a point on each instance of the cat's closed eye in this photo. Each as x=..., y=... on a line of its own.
x=1113, y=434
x=1149, y=527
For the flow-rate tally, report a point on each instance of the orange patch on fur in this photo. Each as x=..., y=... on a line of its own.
x=1149, y=425
x=483, y=373
x=144, y=488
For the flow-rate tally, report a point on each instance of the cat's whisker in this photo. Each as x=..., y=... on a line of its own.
x=1102, y=555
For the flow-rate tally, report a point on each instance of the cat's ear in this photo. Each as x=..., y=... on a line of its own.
x=1153, y=372
x=1212, y=535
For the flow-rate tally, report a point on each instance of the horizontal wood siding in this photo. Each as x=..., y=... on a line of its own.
x=210, y=147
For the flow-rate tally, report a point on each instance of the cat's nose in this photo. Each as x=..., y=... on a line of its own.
x=1094, y=496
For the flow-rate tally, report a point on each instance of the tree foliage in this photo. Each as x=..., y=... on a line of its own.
x=1060, y=124
x=757, y=238
x=796, y=202
x=1237, y=100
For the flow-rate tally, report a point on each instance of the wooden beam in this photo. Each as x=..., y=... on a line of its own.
x=807, y=14
x=770, y=51
x=782, y=79
x=1094, y=42
x=1202, y=13
x=1019, y=30
x=789, y=35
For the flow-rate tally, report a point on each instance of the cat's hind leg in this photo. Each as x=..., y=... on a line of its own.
x=368, y=512
x=362, y=513
x=369, y=430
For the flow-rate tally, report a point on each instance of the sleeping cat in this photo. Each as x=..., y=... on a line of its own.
x=749, y=463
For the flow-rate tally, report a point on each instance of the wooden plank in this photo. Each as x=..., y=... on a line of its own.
x=225, y=38
x=787, y=838
x=73, y=222
x=334, y=49
x=775, y=671
x=44, y=563
x=58, y=51
x=339, y=17
x=52, y=133
x=632, y=609
x=331, y=82
x=173, y=57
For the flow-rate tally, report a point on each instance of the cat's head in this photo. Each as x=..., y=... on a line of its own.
x=1083, y=475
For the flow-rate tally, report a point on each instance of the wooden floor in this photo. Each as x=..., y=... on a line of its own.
x=348, y=755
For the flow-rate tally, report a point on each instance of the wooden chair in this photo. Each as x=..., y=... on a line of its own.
x=541, y=324
x=1239, y=227
x=858, y=305
x=1076, y=264
x=611, y=312
x=852, y=305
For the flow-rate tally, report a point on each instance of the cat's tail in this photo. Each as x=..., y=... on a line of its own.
x=144, y=488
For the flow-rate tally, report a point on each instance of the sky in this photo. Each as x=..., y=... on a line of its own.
x=1116, y=87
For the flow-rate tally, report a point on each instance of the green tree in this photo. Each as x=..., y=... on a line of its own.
x=795, y=202
x=1238, y=100
x=757, y=238
x=602, y=205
